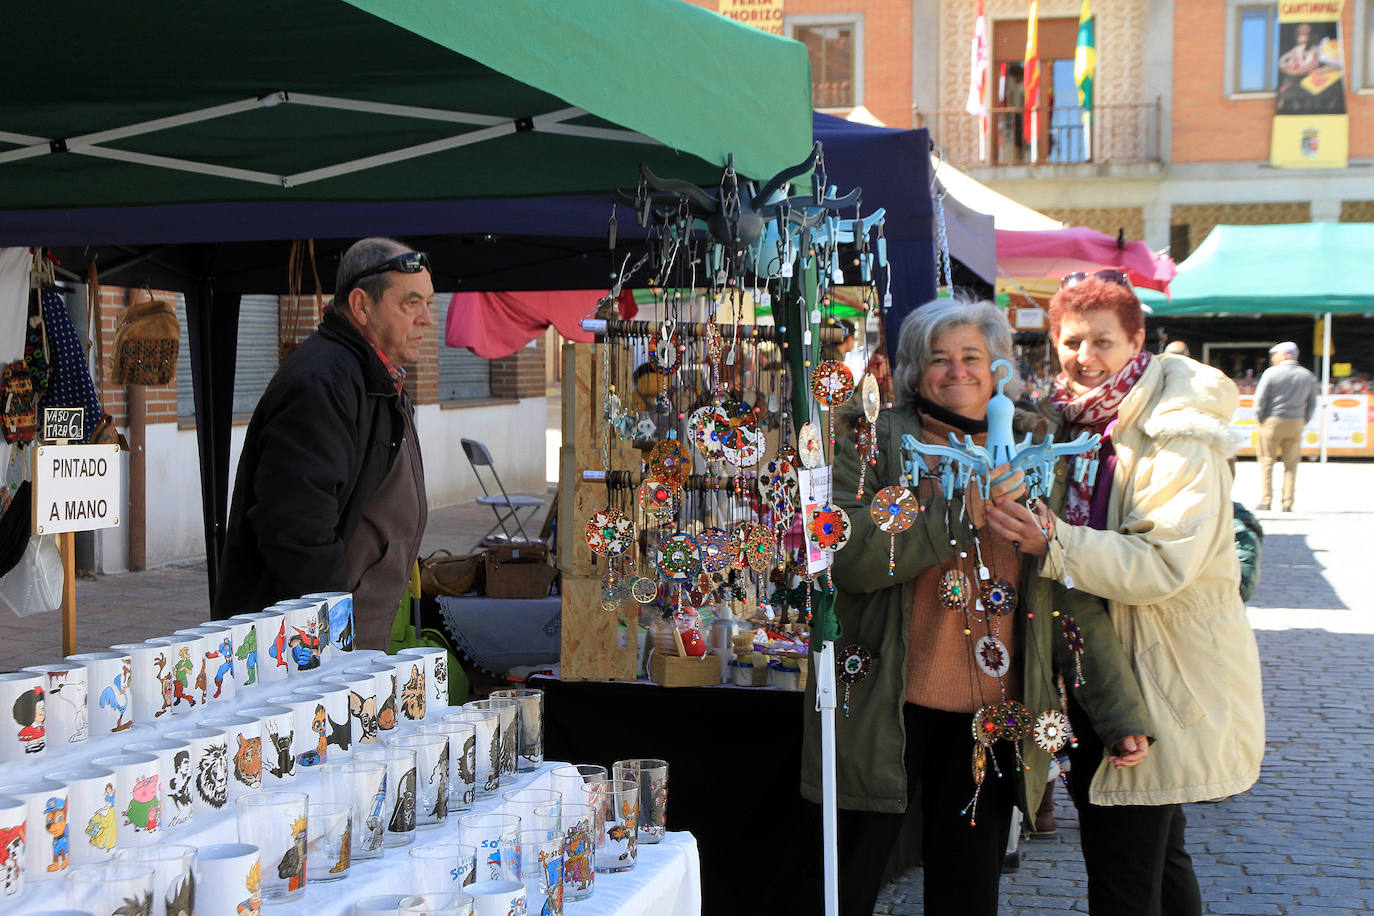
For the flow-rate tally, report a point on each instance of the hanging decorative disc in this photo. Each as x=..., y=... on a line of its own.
x=609, y=533
x=954, y=591
x=1013, y=721
x=677, y=557
x=894, y=509
x=853, y=664
x=778, y=479
x=828, y=528
x=714, y=546
x=759, y=546
x=831, y=383
x=644, y=589
x=670, y=463
x=869, y=397
x=739, y=550
x=701, y=429
x=999, y=595
x=787, y=459
x=1051, y=731
x=863, y=437
x=1073, y=635
x=992, y=656
x=980, y=763
x=663, y=354
x=985, y=725
x=809, y=445
x=657, y=499
x=739, y=433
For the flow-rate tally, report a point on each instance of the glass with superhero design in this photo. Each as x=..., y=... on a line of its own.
x=401, y=777
x=361, y=784
x=494, y=836
x=264, y=647
x=462, y=755
x=433, y=772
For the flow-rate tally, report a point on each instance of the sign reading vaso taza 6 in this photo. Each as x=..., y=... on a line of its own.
x=76, y=487
x=64, y=423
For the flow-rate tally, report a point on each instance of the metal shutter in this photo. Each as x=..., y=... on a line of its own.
x=463, y=375
x=255, y=364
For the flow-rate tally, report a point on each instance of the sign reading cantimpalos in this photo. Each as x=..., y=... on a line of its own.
x=76, y=487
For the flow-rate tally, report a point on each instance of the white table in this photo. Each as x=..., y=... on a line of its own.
x=666, y=879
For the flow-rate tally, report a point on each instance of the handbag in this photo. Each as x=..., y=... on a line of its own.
x=18, y=403
x=145, y=343
x=34, y=586
x=446, y=573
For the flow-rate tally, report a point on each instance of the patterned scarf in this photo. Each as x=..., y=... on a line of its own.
x=1094, y=411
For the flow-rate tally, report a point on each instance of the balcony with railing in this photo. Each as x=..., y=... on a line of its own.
x=1125, y=134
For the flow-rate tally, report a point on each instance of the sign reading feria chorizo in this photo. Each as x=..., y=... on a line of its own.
x=76, y=487
x=761, y=14
x=1311, y=127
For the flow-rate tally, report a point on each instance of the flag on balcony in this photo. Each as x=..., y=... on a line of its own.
x=978, y=79
x=1031, y=79
x=1084, y=66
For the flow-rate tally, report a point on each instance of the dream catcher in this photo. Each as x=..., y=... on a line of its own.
x=853, y=665
x=894, y=509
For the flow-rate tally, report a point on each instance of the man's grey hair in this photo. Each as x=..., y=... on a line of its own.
x=363, y=255
x=923, y=326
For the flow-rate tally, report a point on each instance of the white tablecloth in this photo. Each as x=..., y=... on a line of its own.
x=666, y=880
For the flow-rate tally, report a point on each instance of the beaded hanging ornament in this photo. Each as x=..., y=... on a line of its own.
x=670, y=463
x=866, y=444
x=701, y=430
x=953, y=591
x=852, y=666
x=741, y=440
x=665, y=354
x=609, y=533
x=999, y=596
x=809, y=448
x=658, y=500
x=1073, y=636
x=828, y=528
x=894, y=509
x=677, y=557
x=713, y=544
x=831, y=385
x=1051, y=732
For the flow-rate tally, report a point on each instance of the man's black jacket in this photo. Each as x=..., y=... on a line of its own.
x=321, y=441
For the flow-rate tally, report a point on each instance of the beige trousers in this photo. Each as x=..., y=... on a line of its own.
x=1280, y=439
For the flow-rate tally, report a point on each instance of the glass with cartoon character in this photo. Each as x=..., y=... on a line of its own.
x=243, y=739
x=576, y=823
x=47, y=839
x=278, y=824
x=230, y=882
x=433, y=772
x=176, y=763
x=174, y=876
x=329, y=845
x=209, y=768
x=462, y=755
x=399, y=810
x=90, y=812
x=362, y=785
x=137, y=797
x=64, y=696
x=23, y=699
x=113, y=889
x=617, y=822
x=266, y=641
x=278, y=735
x=360, y=704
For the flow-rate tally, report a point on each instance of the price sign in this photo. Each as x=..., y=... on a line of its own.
x=76, y=487
x=64, y=423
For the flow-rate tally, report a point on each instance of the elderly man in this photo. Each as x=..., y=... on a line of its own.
x=330, y=492
x=1284, y=403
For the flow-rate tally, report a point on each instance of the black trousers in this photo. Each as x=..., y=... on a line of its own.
x=1134, y=854
x=962, y=863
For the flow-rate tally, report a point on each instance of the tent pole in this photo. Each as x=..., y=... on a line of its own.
x=1326, y=379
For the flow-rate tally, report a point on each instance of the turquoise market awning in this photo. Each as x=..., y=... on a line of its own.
x=1289, y=269
x=164, y=102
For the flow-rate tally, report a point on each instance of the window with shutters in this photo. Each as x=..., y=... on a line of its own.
x=835, y=43
x=254, y=365
x=463, y=375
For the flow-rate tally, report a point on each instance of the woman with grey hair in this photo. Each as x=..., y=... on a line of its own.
x=949, y=643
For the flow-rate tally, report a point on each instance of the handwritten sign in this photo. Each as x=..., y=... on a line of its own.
x=76, y=487
x=63, y=423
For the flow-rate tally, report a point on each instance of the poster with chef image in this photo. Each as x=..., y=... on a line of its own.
x=1311, y=128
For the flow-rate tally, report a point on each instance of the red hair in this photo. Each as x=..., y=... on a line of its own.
x=1093, y=295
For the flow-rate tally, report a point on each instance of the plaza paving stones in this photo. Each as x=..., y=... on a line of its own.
x=1302, y=840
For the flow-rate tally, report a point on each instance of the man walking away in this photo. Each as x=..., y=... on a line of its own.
x=1284, y=403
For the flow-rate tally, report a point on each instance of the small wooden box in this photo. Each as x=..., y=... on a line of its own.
x=678, y=671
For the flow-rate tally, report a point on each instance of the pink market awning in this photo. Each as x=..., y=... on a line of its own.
x=1053, y=253
x=496, y=324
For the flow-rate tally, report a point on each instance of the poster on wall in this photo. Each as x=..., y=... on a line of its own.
x=1311, y=129
x=1348, y=421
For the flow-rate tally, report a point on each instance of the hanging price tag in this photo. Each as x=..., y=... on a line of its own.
x=787, y=269
x=837, y=277
x=765, y=301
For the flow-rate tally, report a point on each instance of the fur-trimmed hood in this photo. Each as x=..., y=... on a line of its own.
x=1180, y=397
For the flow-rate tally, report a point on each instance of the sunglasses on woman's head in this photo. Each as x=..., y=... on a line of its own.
x=1109, y=275
x=409, y=262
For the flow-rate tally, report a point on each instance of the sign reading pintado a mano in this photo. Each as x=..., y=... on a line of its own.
x=75, y=488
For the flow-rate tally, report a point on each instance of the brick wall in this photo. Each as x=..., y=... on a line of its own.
x=1207, y=126
x=520, y=375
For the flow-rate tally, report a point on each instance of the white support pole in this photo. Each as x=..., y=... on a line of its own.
x=1326, y=381
x=825, y=705
x=1035, y=134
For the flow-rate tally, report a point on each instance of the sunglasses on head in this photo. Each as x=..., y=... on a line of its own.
x=1109, y=275
x=410, y=262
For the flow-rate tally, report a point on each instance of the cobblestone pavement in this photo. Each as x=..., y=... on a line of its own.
x=1302, y=840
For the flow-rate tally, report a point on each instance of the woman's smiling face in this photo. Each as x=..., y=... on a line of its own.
x=1093, y=347
x=958, y=375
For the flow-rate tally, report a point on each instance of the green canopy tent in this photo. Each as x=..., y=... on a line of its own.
x=136, y=127
x=1317, y=269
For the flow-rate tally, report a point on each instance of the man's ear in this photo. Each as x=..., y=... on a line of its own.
x=360, y=304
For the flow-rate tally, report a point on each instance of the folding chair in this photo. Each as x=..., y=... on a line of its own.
x=505, y=507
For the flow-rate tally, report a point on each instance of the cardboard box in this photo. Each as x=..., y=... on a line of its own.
x=679, y=671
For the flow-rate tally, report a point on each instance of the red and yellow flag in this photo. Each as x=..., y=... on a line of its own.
x=1031, y=78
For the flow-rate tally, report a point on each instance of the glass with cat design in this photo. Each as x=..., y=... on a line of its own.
x=278, y=824
x=362, y=785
